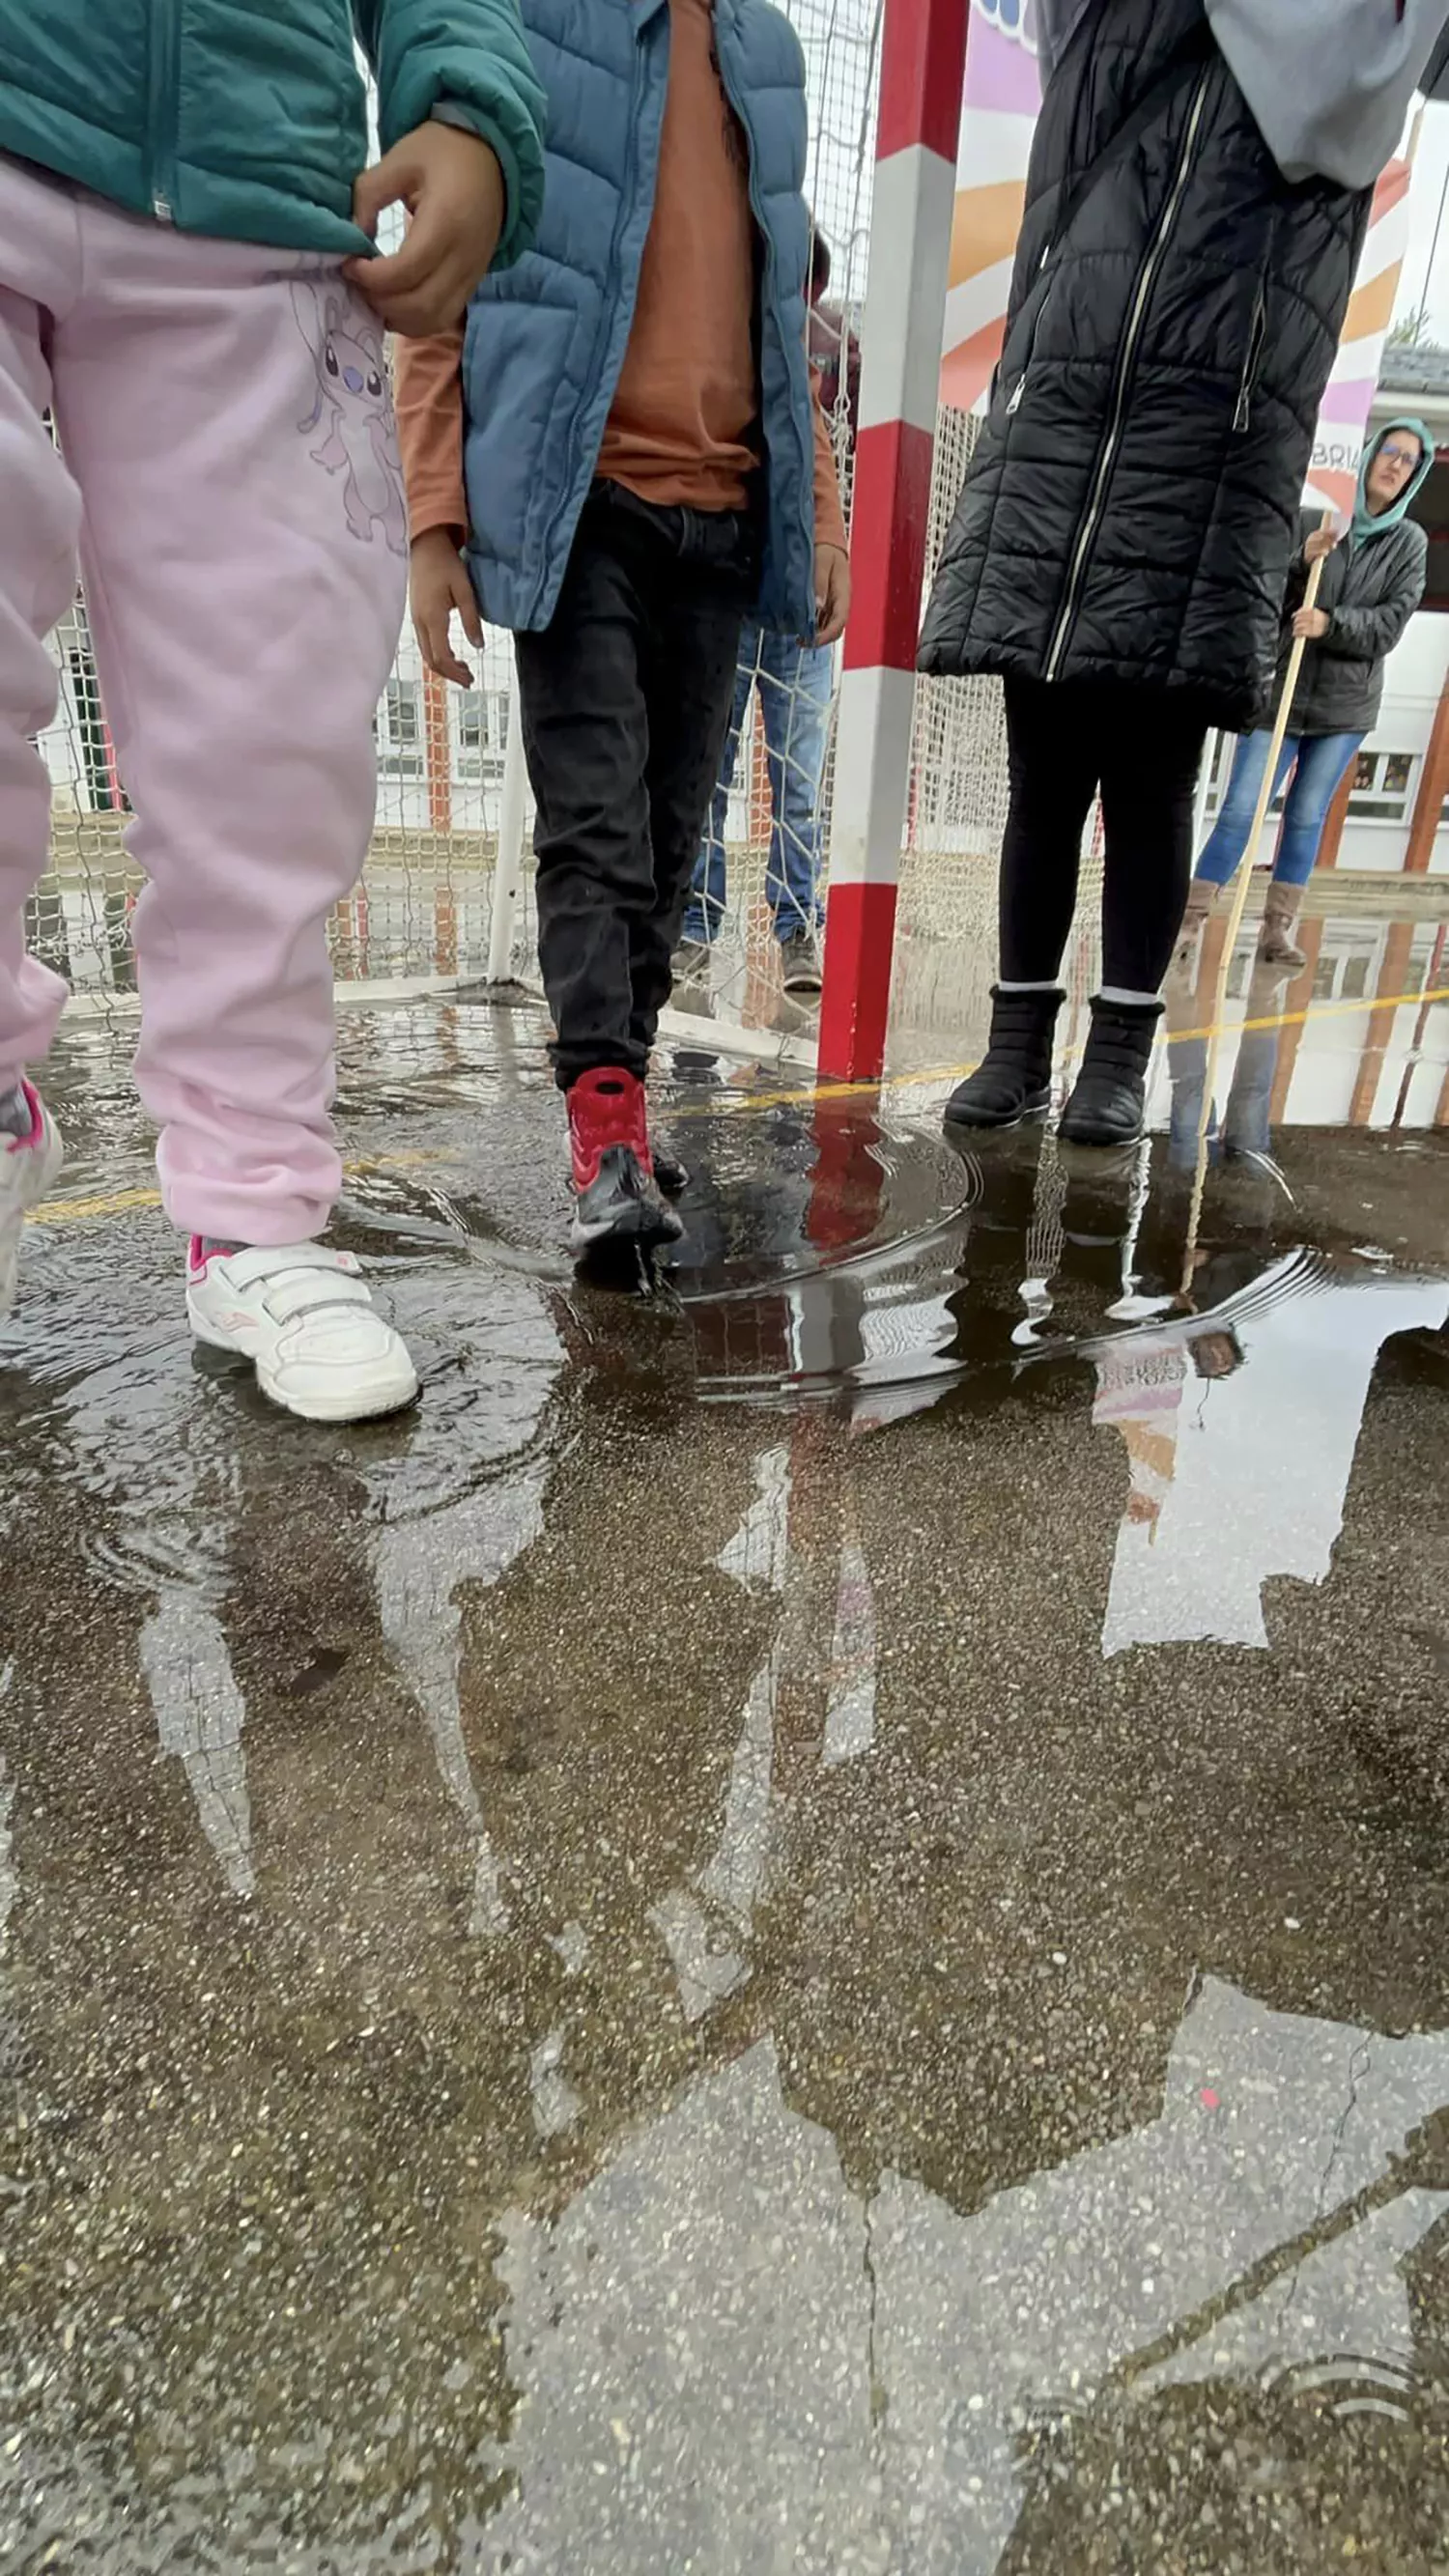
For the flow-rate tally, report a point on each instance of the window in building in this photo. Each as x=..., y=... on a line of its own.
x=482, y=721
x=397, y=729
x=1398, y=769
x=1381, y=784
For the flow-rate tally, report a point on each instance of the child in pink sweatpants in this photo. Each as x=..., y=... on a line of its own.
x=227, y=479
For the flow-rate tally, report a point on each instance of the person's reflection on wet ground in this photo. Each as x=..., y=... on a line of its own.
x=664, y=1909
x=1245, y=1128
x=249, y=2138
x=1241, y=1425
x=971, y=1951
x=1143, y=1816
x=241, y=2142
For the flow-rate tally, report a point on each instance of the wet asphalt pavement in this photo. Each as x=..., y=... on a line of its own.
x=802, y=1926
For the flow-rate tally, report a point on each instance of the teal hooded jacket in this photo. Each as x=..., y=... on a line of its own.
x=248, y=118
x=1369, y=589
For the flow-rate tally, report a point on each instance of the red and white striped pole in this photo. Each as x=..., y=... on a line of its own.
x=923, y=63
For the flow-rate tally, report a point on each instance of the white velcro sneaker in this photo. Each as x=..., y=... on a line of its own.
x=303, y=1315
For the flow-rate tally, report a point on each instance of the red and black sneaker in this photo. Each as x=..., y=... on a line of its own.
x=616, y=1197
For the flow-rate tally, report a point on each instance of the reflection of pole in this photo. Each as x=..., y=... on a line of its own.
x=1433, y=784
x=1382, y=1018
x=508, y=866
x=846, y=1183
x=1421, y=1025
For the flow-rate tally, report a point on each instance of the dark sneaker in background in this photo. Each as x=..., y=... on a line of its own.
x=690, y=962
x=800, y=962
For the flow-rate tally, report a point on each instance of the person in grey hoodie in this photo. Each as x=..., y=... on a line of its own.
x=1371, y=584
x=1198, y=192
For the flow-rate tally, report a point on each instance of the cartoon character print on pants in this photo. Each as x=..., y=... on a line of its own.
x=352, y=388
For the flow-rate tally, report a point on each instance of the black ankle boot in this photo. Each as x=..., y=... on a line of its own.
x=1109, y=1098
x=1014, y=1078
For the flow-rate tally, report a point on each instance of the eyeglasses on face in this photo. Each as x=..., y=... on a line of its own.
x=1407, y=457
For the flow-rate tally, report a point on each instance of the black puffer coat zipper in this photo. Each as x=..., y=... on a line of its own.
x=1130, y=509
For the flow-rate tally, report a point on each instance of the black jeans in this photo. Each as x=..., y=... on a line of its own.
x=1142, y=747
x=625, y=699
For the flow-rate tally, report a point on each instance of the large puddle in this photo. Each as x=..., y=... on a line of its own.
x=805, y=1924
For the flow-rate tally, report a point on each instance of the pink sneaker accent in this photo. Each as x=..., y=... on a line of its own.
x=197, y=1255
x=28, y=1168
x=27, y=1144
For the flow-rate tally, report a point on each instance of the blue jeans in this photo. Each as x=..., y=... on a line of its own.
x=1321, y=761
x=795, y=682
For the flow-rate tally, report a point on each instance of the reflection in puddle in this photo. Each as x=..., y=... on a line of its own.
x=873, y=2387
x=200, y=1714
x=1240, y=1430
x=759, y=2033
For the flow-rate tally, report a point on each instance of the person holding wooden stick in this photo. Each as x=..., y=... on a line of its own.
x=1371, y=584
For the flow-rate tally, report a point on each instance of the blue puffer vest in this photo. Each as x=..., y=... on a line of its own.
x=545, y=339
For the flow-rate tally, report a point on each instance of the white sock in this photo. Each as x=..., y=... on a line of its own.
x=1119, y=994
x=1048, y=987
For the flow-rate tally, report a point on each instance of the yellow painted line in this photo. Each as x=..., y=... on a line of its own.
x=67, y=1211
x=121, y=1202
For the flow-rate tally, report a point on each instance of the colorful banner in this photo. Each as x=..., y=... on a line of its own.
x=1343, y=418
x=999, y=103
x=1000, y=99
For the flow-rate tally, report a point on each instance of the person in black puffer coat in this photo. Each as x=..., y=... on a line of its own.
x=1370, y=586
x=1121, y=544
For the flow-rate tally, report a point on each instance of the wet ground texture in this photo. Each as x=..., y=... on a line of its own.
x=804, y=1925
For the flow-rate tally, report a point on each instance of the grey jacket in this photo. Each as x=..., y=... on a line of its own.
x=1370, y=596
x=1329, y=81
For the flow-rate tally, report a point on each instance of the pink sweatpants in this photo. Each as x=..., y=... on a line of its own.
x=230, y=485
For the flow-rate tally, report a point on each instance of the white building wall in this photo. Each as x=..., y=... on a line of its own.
x=1414, y=678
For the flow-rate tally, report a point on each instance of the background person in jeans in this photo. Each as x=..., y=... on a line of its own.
x=1369, y=590
x=796, y=684
x=644, y=457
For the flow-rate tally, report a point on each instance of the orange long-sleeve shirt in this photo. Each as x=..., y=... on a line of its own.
x=680, y=425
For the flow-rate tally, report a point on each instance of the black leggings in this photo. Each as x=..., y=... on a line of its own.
x=1142, y=747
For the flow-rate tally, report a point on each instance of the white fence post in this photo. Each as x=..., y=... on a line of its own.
x=508, y=867
x=923, y=62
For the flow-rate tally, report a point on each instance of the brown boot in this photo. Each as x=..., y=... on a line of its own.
x=1199, y=904
x=1277, y=946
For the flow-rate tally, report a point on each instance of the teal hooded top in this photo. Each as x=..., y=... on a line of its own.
x=251, y=120
x=1373, y=523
